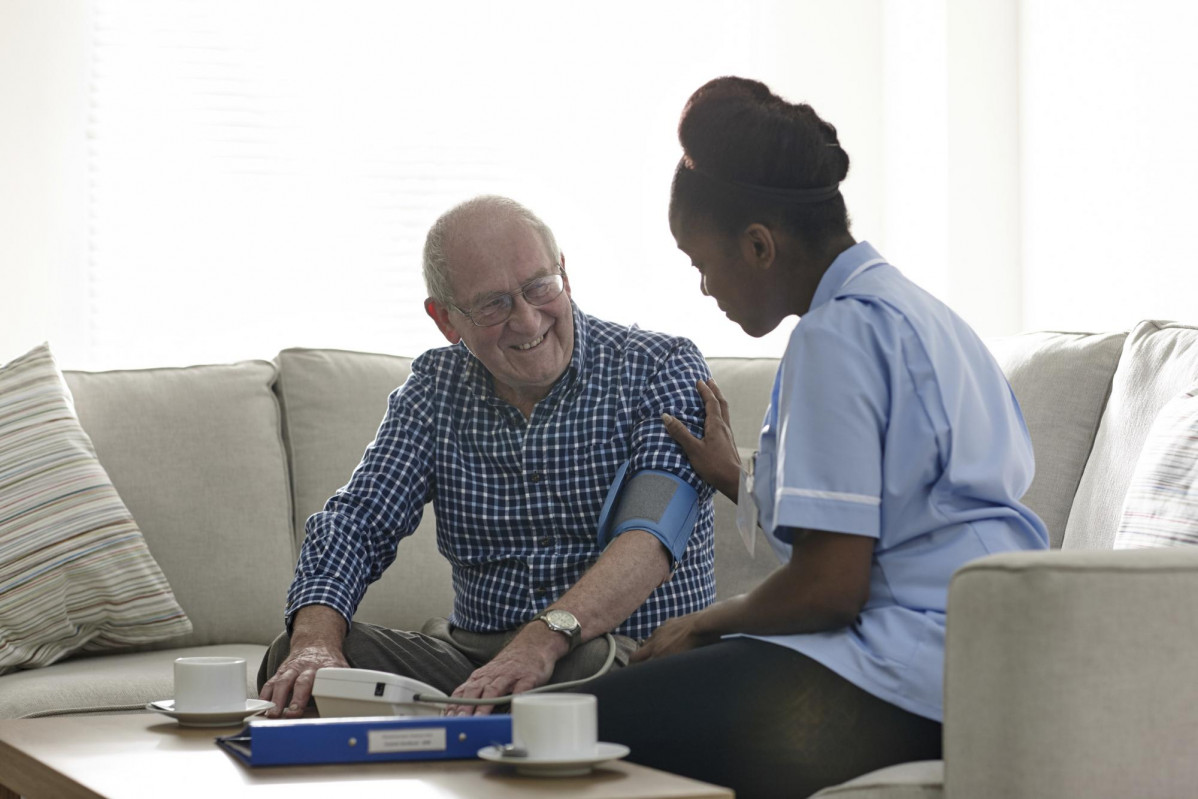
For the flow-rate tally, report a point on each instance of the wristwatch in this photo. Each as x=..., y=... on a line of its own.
x=562, y=621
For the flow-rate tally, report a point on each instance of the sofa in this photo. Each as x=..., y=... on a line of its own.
x=1067, y=674
x=220, y=465
x=1070, y=673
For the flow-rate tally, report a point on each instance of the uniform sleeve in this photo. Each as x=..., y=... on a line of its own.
x=833, y=400
x=351, y=542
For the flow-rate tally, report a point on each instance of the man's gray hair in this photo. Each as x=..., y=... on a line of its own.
x=436, y=263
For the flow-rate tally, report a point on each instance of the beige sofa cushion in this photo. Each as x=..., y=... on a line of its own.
x=110, y=682
x=1159, y=361
x=333, y=402
x=1061, y=381
x=746, y=384
x=197, y=456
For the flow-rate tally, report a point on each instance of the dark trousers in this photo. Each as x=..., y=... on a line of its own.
x=756, y=717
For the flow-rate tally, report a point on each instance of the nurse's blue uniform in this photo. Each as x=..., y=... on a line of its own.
x=890, y=419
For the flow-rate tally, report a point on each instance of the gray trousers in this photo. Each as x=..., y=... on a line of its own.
x=442, y=655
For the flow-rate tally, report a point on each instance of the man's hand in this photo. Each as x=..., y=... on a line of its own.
x=713, y=457
x=317, y=634
x=526, y=662
x=675, y=635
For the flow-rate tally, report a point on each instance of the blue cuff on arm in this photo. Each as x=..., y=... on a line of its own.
x=660, y=503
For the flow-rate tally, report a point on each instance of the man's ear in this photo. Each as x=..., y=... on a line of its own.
x=565, y=275
x=440, y=314
x=757, y=246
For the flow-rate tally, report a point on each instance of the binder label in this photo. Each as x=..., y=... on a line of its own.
x=415, y=739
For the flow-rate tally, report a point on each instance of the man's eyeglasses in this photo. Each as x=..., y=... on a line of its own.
x=498, y=309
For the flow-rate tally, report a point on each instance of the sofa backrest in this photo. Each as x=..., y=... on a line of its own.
x=197, y=456
x=746, y=383
x=1061, y=381
x=1159, y=361
x=221, y=465
x=333, y=401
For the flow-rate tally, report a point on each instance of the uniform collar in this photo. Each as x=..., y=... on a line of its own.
x=850, y=263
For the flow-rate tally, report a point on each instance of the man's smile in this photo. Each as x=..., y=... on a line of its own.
x=532, y=343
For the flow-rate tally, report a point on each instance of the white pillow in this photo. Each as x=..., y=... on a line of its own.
x=75, y=573
x=1161, y=507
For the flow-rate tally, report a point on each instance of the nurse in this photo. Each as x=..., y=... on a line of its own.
x=892, y=453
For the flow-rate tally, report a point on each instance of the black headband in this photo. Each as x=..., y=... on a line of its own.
x=778, y=194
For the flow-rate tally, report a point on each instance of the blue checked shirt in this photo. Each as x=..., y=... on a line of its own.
x=517, y=501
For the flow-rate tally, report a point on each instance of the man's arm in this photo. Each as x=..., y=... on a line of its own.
x=317, y=635
x=621, y=580
x=632, y=566
x=351, y=541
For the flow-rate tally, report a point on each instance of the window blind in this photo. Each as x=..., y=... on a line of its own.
x=262, y=172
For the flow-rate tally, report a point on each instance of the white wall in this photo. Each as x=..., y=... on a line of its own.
x=951, y=168
x=43, y=166
x=1109, y=120
x=983, y=228
x=1045, y=182
x=804, y=39
x=610, y=219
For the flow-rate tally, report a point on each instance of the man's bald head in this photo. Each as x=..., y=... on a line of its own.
x=470, y=226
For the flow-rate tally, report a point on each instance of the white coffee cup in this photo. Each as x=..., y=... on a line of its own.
x=210, y=684
x=550, y=726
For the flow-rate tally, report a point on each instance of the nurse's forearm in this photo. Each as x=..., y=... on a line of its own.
x=728, y=481
x=823, y=587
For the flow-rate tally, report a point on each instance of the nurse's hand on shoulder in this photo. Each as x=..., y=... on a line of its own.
x=713, y=457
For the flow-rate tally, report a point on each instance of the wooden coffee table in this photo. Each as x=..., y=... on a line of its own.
x=147, y=756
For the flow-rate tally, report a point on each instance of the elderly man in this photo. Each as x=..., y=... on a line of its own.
x=534, y=423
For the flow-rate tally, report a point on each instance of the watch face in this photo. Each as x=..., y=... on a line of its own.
x=561, y=618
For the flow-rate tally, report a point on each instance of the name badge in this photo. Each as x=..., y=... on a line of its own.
x=746, y=505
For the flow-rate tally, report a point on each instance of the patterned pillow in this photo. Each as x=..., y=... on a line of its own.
x=1161, y=508
x=75, y=573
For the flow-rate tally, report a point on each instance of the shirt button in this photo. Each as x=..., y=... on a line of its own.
x=535, y=477
x=540, y=590
x=546, y=541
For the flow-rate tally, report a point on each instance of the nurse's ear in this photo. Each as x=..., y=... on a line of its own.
x=758, y=247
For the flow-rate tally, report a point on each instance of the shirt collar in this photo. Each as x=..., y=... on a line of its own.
x=848, y=265
x=582, y=332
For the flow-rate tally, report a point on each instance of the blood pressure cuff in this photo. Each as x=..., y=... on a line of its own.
x=660, y=503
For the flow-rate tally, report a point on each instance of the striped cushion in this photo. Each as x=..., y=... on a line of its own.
x=1161, y=508
x=75, y=573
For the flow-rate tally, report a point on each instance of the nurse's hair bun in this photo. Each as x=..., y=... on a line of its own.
x=737, y=129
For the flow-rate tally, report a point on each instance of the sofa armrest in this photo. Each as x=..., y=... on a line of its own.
x=1073, y=673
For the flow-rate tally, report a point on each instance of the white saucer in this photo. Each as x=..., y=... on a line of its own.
x=221, y=718
x=570, y=766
